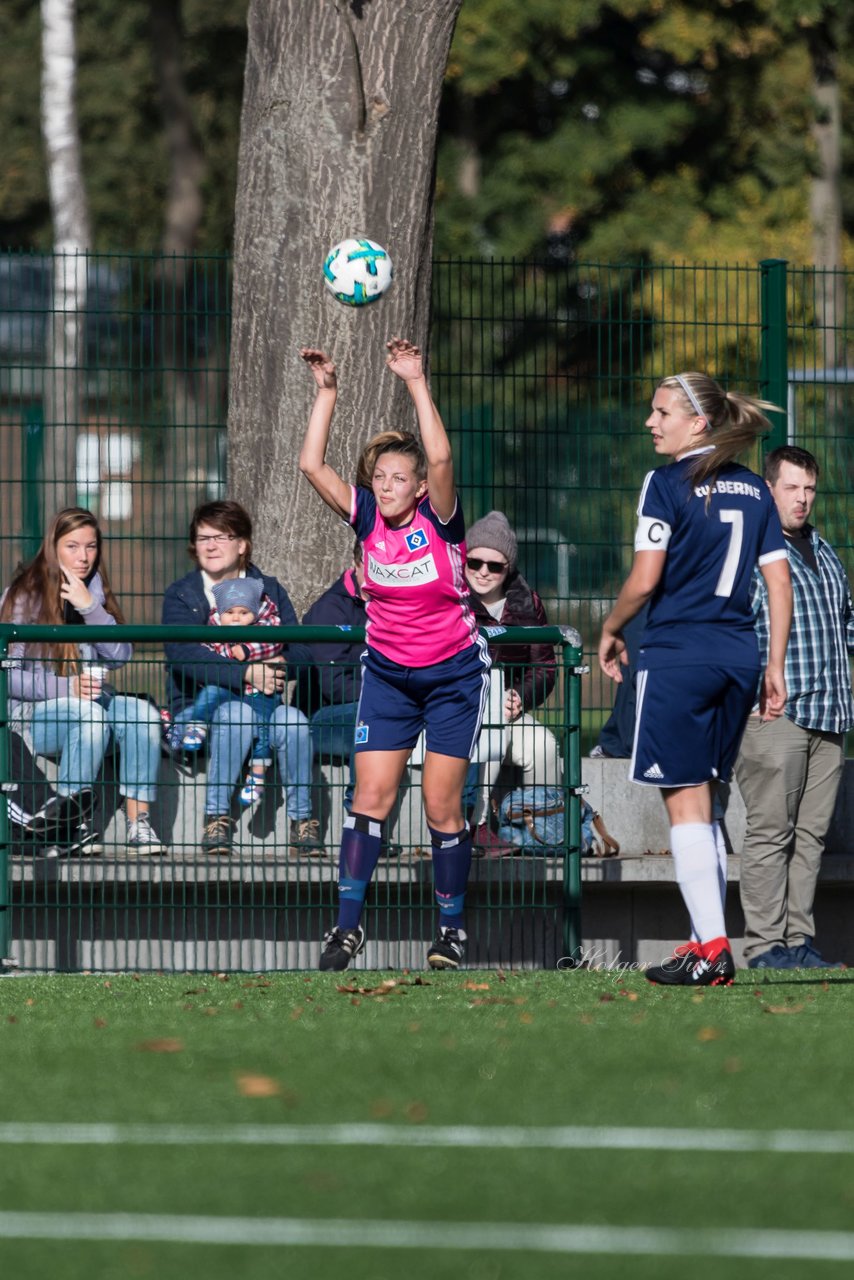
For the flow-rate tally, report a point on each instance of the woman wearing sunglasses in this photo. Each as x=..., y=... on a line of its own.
x=499, y=594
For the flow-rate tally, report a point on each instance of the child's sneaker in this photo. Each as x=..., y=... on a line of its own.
x=193, y=738
x=252, y=789
x=340, y=946
x=448, y=949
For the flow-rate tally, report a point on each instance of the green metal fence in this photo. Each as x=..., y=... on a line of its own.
x=66, y=904
x=543, y=372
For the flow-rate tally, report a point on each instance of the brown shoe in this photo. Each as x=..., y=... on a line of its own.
x=305, y=837
x=218, y=834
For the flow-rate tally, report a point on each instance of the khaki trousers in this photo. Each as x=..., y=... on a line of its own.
x=788, y=778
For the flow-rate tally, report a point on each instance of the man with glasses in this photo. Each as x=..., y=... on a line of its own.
x=221, y=544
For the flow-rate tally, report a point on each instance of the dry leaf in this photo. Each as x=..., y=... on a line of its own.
x=526, y=1017
x=475, y=986
x=710, y=1033
x=381, y=1108
x=252, y=1086
x=222, y=977
x=784, y=1008
x=167, y=1045
x=416, y=1112
x=11, y=1018
x=99, y=1022
x=606, y=998
x=210, y=1011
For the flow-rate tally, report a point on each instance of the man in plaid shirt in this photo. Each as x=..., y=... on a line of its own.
x=789, y=769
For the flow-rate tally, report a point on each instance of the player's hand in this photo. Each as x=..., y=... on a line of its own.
x=613, y=655
x=404, y=359
x=322, y=368
x=772, y=697
x=75, y=591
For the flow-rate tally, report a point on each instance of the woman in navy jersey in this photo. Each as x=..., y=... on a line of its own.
x=425, y=665
x=704, y=522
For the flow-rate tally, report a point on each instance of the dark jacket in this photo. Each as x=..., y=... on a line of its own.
x=189, y=665
x=530, y=669
x=338, y=671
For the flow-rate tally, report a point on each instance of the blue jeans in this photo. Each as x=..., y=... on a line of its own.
x=233, y=728
x=332, y=731
x=79, y=732
x=211, y=697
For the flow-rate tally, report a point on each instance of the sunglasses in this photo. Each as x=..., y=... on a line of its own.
x=494, y=566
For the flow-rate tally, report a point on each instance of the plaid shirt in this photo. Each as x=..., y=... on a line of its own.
x=255, y=651
x=818, y=676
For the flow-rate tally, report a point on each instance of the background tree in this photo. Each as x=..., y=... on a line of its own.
x=338, y=138
x=63, y=391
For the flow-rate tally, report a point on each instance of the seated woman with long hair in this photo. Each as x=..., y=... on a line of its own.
x=56, y=695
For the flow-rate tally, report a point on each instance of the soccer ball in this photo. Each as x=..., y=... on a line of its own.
x=357, y=271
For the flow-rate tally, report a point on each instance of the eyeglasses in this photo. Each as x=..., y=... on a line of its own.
x=494, y=566
x=203, y=538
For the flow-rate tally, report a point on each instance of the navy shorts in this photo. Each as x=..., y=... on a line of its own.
x=689, y=723
x=446, y=700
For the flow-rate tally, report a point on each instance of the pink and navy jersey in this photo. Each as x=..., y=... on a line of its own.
x=416, y=592
x=701, y=609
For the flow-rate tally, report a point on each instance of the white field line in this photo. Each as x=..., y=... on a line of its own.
x=513, y=1137
x=825, y=1246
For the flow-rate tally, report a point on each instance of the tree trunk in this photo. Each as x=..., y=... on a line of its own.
x=64, y=393
x=338, y=138
x=826, y=196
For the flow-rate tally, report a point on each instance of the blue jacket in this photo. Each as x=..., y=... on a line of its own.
x=189, y=666
x=339, y=673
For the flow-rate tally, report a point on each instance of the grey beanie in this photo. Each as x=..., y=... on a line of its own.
x=235, y=592
x=493, y=530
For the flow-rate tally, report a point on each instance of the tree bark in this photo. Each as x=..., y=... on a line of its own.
x=338, y=138
x=63, y=394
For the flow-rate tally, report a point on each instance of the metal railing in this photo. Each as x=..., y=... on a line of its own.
x=266, y=905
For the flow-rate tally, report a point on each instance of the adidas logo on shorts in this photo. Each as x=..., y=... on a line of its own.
x=653, y=772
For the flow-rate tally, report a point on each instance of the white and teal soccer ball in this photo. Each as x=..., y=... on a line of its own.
x=357, y=271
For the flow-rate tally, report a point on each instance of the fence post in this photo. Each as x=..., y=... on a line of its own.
x=5, y=887
x=572, y=672
x=774, y=355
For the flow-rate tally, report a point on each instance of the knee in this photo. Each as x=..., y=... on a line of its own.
x=234, y=715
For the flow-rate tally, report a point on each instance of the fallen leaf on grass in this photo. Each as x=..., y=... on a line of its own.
x=11, y=1018
x=607, y=998
x=784, y=1008
x=211, y=1012
x=99, y=1022
x=474, y=1004
x=501, y=976
x=416, y=1112
x=381, y=1108
x=526, y=1017
x=389, y=987
x=475, y=986
x=196, y=991
x=252, y=1086
x=222, y=977
x=169, y=1044
x=710, y=1033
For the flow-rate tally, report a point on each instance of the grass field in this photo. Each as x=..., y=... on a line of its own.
x=488, y=1126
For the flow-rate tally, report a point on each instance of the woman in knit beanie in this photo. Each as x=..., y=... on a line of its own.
x=499, y=594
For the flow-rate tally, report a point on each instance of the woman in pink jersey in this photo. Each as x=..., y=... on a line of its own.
x=425, y=666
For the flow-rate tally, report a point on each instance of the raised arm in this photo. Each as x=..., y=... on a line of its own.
x=405, y=361
x=334, y=491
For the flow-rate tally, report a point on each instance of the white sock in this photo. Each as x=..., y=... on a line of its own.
x=695, y=857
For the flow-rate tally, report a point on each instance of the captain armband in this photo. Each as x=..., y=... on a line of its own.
x=652, y=534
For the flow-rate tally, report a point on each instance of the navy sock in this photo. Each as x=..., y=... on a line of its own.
x=451, y=865
x=360, y=851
